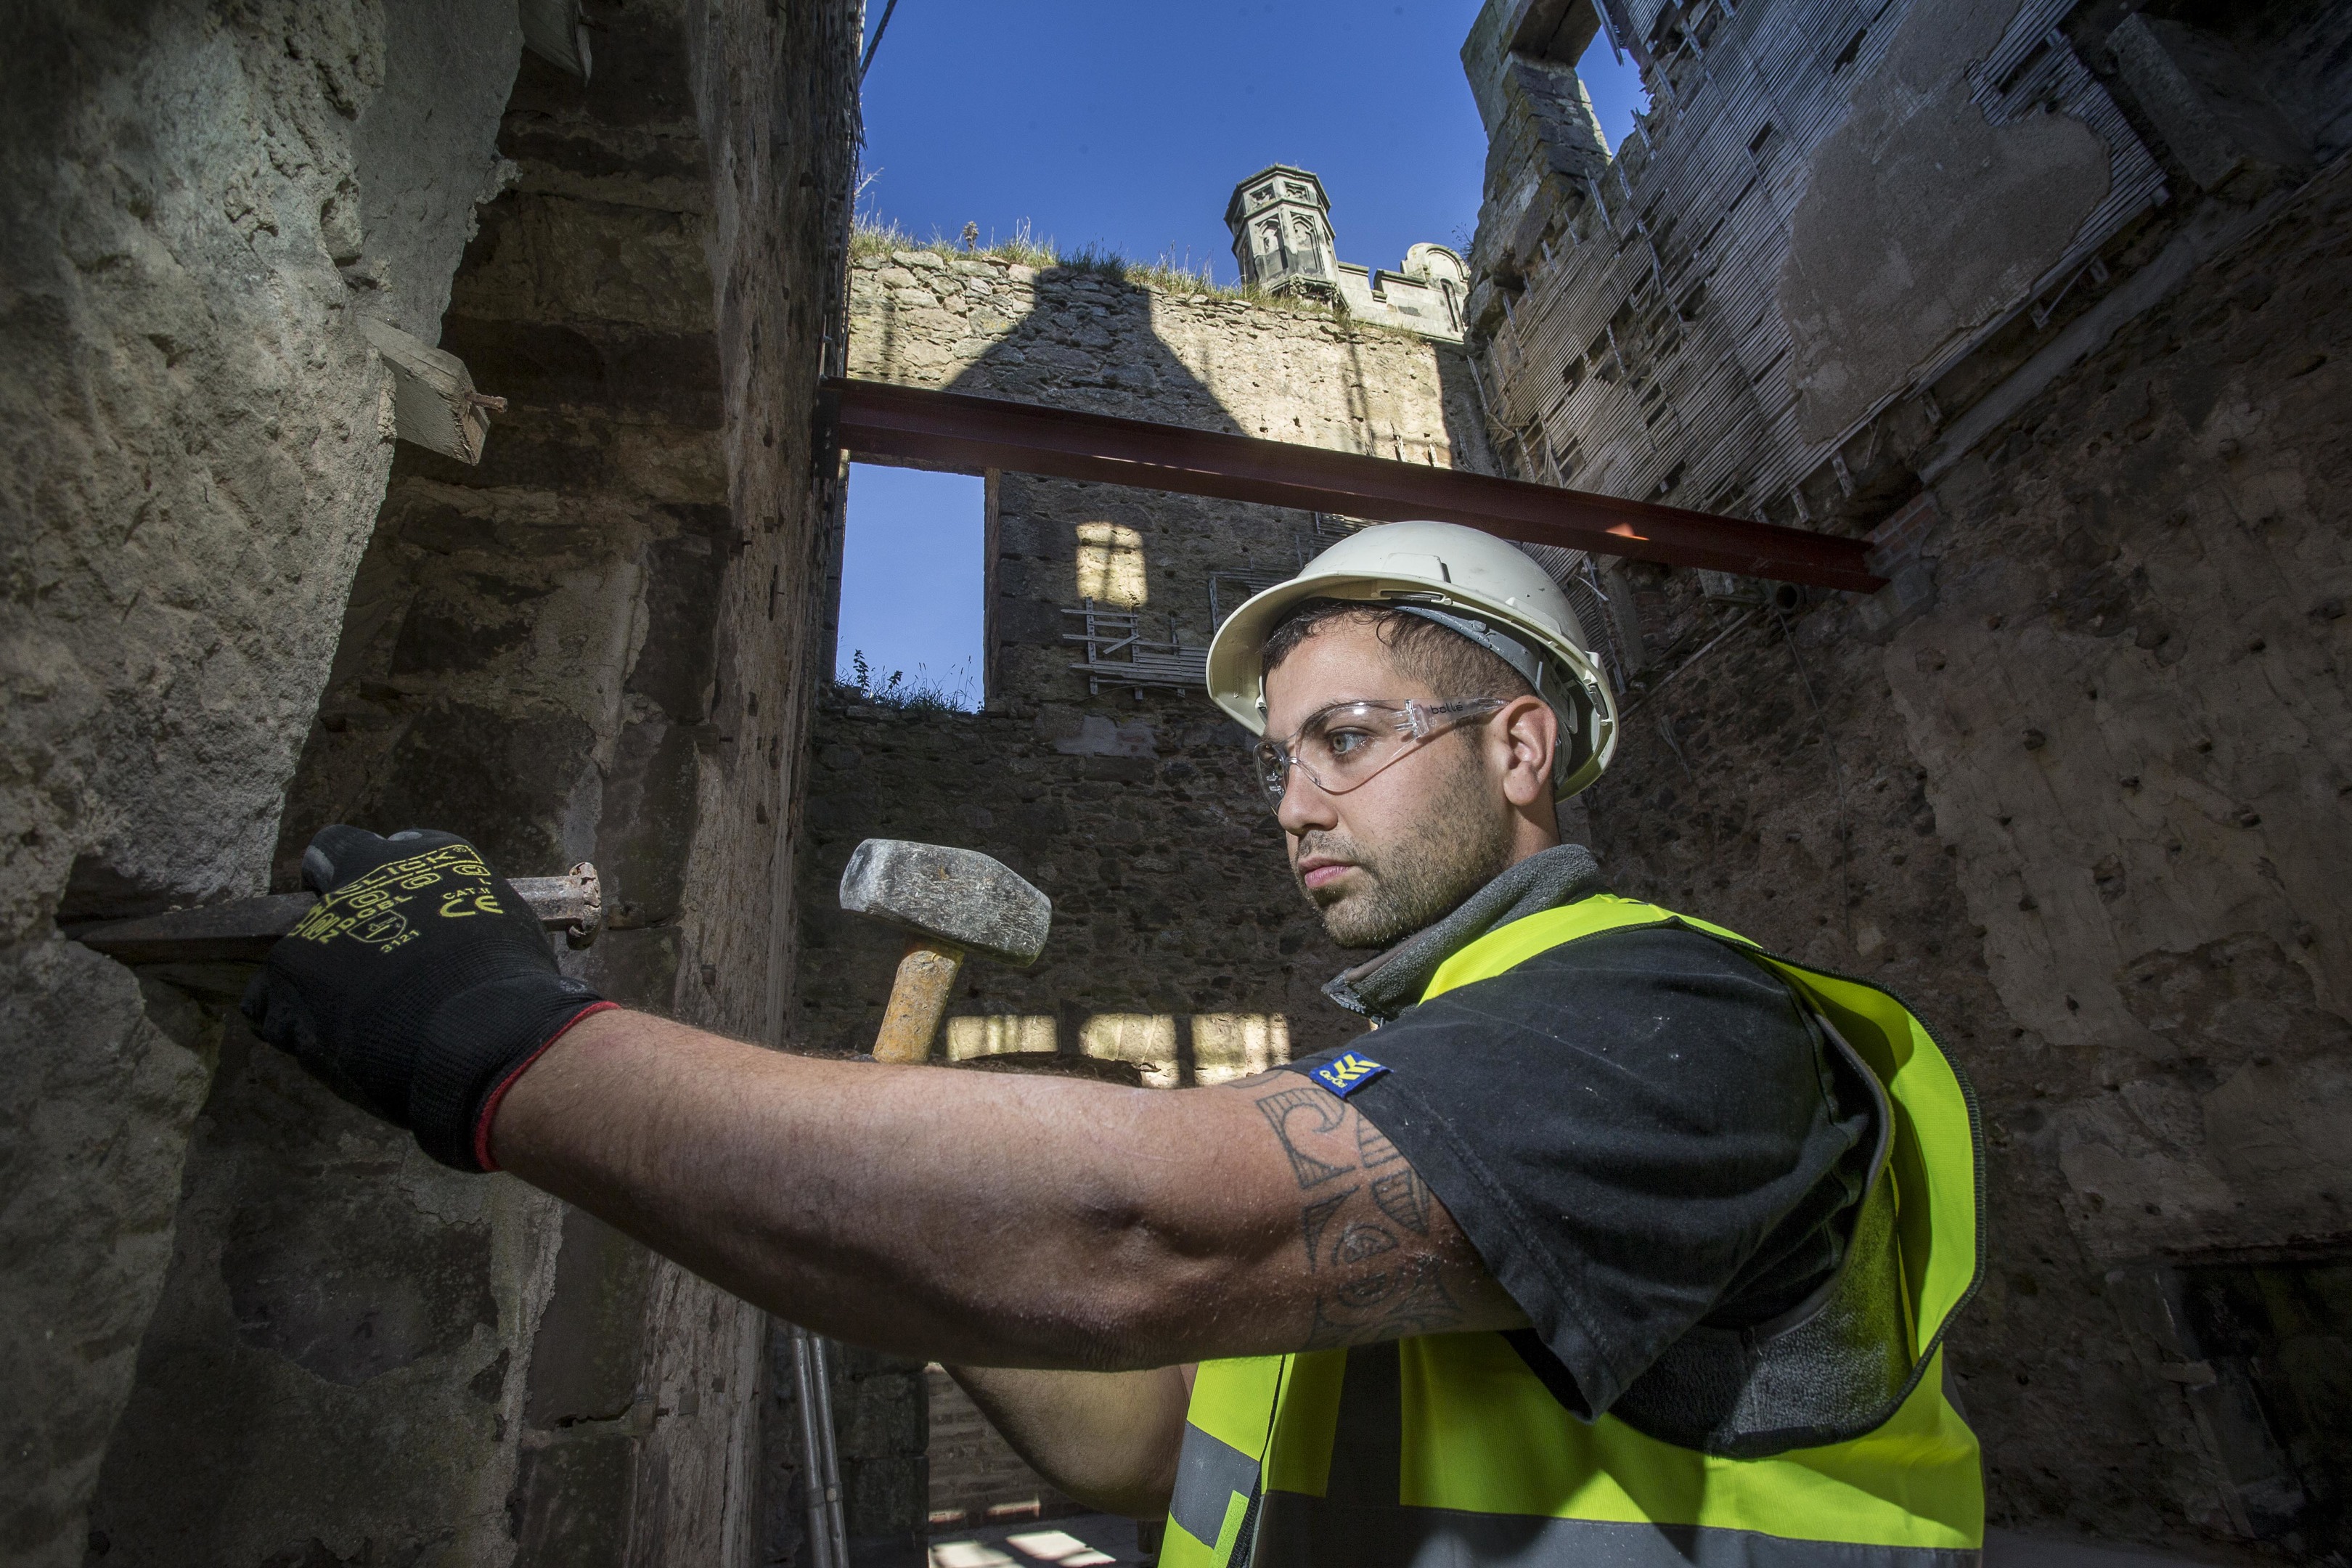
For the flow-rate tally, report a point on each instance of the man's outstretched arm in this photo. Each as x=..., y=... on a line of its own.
x=993, y=1219
x=989, y=1220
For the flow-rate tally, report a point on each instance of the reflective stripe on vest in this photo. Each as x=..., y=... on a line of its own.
x=1446, y=1449
x=1218, y=1471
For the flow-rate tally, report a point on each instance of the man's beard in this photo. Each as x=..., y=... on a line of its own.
x=1457, y=847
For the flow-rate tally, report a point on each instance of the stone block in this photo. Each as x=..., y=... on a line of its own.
x=575, y=1495
x=1097, y=736
x=329, y=1283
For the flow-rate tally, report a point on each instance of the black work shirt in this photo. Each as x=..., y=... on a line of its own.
x=1638, y=1131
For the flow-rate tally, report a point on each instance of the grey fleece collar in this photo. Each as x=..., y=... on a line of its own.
x=1380, y=988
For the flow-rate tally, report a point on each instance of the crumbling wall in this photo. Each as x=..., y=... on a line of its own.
x=2070, y=782
x=2085, y=812
x=597, y=645
x=1752, y=306
x=512, y=666
x=194, y=454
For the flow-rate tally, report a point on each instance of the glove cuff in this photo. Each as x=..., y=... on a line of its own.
x=478, y=1042
x=483, y=1159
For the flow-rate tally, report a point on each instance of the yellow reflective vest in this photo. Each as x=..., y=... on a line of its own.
x=1447, y=1450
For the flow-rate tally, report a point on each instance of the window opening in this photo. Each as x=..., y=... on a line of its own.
x=1614, y=85
x=913, y=589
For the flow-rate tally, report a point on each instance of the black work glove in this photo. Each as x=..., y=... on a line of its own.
x=418, y=988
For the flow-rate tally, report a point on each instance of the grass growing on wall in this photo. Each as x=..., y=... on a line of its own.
x=921, y=693
x=874, y=236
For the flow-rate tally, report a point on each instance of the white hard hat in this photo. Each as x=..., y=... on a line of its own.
x=1483, y=587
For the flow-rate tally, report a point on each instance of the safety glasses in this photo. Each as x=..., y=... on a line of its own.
x=1348, y=744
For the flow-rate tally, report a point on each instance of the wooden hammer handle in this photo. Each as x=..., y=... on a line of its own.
x=927, y=978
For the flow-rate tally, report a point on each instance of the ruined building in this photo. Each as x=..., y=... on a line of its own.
x=2047, y=299
x=2044, y=299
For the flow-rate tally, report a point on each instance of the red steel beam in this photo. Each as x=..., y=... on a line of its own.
x=874, y=419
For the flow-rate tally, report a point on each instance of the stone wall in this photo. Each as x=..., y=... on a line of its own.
x=194, y=462
x=2086, y=811
x=2071, y=782
x=599, y=644
x=1180, y=943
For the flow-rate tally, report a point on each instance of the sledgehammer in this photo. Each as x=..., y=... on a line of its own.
x=950, y=903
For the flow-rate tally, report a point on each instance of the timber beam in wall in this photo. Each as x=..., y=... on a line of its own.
x=877, y=420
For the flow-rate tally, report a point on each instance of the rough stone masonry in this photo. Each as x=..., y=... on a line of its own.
x=239, y=1324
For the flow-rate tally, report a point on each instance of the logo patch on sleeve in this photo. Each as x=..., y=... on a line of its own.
x=1343, y=1075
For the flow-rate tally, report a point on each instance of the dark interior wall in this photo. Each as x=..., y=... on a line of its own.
x=1171, y=897
x=2075, y=783
x=593, y=645
x=503, y=672
x=2087, y=812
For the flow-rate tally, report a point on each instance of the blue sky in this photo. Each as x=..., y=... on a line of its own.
x=1127, y=127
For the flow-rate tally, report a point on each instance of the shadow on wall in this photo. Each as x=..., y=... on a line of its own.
x=1094, y=342
x=1088, y=342
x=1088, y=338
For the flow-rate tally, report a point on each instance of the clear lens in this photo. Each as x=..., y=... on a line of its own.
x=1273, y=769
x=1343, y=746
x=1340, y=747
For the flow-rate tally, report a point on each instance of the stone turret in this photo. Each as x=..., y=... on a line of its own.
x=1282, y=232
x=1281, y=222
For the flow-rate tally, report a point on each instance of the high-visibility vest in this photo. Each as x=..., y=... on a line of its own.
x=1446, y=1449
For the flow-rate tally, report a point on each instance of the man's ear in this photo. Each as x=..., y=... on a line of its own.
x=1528, y=733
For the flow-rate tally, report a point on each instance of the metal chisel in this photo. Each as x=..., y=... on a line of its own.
x=241, y=930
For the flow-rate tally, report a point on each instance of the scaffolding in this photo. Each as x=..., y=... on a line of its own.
x=1118, y=654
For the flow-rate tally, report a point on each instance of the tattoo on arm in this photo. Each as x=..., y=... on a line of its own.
x=1316, y=1114
x=1379, y=1274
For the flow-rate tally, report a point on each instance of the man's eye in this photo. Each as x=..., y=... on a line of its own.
x=1346, y=742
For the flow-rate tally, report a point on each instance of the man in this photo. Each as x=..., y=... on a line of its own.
x=1619, y=1242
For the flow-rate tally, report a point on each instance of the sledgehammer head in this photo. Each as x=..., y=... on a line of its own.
x=954, y=896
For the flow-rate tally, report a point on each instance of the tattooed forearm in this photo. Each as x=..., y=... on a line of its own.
x=1304, y=1117
x=1380, y=1273
x=1393, y=1304
x=1399, y=1192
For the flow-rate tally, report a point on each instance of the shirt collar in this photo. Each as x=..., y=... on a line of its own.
x=1380, y=988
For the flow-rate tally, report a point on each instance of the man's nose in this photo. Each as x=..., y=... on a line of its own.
x=1304, y=809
